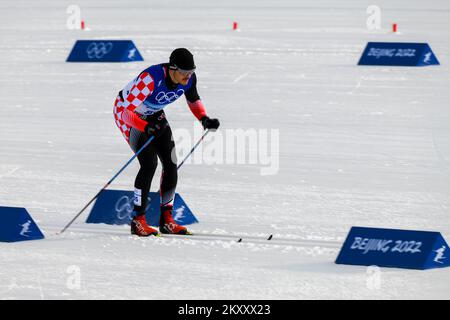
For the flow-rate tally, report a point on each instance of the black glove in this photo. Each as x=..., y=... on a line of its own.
x=209, y=123
x=157, y=124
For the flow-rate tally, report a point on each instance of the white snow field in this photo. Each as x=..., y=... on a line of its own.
x=358, y=146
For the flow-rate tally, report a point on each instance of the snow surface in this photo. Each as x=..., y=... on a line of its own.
x=365, y=146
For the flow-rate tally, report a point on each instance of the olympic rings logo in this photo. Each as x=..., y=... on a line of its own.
x=168, y=97
x=124, y=208
x=98, y=49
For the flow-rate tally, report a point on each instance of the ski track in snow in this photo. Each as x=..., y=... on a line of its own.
x=358, y=146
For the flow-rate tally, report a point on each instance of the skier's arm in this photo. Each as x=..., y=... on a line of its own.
x=197, y=107
x=139, y=92
x=193, y=100
x=132, y=120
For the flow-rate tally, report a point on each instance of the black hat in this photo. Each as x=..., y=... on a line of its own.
x=181, y=58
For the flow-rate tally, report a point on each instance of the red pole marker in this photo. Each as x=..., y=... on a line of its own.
x=235, y=25
x=394, y=27
x=82, y=24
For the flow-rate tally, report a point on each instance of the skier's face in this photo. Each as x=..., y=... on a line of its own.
x=182, y=76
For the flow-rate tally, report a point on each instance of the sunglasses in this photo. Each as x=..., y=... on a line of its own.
x=186, y=72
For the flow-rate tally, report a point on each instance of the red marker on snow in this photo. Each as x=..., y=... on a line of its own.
x=82, y=24
x=235, y=25
x=394, y=27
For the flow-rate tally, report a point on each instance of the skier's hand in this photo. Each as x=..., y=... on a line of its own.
x=157, y=124
x=209, y=123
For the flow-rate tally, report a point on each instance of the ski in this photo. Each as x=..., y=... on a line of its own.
x=242, y=238
x=215, y=236
x=237, y=237
x=263, y=239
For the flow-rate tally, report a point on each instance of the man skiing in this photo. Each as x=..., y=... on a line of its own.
x=139, y=114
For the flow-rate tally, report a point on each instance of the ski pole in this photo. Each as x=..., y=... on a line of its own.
x=129, y=161
x=193, y=148
x=107, y=184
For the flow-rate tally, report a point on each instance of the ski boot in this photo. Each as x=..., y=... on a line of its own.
x=140, y=227
x=167, y=225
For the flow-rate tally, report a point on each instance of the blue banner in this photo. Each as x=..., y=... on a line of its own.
x=116, y=207
x=394, y=248
x=398, y=54
x=104, y=51
x=16, y=224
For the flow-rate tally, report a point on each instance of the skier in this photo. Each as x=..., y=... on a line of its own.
x=139, y=114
